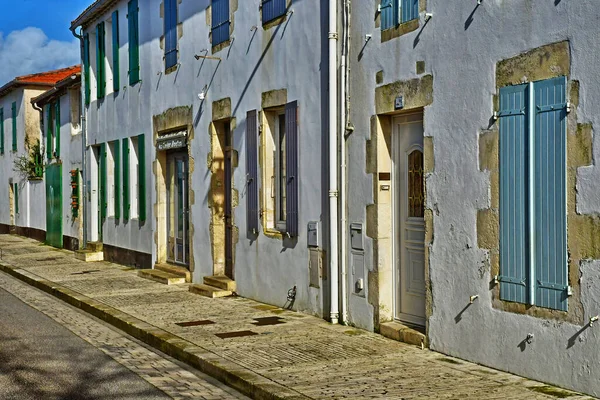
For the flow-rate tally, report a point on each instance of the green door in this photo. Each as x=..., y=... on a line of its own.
x=54, y=236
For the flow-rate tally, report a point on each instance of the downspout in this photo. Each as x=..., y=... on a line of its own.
x=83, y=123
x=333, y=164
x=344, y=102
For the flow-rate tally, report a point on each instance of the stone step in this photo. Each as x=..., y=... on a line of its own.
x=402, y=333
x=209, y=291
x=95, y=246
x=89, y=255
x=221, y=282
x=175, y=270
x=163, y=277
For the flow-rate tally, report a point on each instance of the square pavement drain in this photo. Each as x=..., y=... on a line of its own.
x=228, y=335
x=195, y=323
x=268, y=321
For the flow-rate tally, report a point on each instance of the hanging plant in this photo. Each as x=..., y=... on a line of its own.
x=30, y=166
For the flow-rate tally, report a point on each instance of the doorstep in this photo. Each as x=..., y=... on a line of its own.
x=402, y=333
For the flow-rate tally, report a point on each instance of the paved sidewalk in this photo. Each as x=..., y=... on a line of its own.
x=300, y=357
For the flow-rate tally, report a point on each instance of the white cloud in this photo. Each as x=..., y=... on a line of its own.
x=29, y=51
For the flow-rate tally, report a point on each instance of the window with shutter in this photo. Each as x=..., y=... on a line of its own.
x=291, y=168
x=272, y=9
x=1, y=130
x=220, y=21
x=126, y=190
x=57, y=129
x=170, y=20
x=252, y=172
x=103, y=183
x=533, y=244
x=115, y=50
x=86, y=67
x=14, y=126
x=100, y=61
x=141, y=151
x=134, y=42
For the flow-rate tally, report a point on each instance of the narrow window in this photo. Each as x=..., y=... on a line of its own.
x=272, y=9
x=134, y=42
x=280, y=176
x=103, y=181
x=57, y=125
x=110, y=179
x=86, y=67
x=126, y=184
x=415, y=185
x=115, y=51
x=116, y=148
x=133, y=178
x=141, y=154
x=14, y=126
x=16, y=198
x=220, y=21
x=100, y=61
x=1, y=130
x=170, y=20
x=252, y=172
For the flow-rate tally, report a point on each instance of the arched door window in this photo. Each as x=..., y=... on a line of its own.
x=415, y=184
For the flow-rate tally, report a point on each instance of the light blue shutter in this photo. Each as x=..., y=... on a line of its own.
x=220, y=21
x=170, y=33
x=550, y=177
x=409, y=10
x=514, y=184
x=387, y=14
x=272, y=9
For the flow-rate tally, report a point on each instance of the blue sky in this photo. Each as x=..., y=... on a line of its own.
x=35, y=36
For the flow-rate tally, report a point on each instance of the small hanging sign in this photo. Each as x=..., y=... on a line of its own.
x=399, y=103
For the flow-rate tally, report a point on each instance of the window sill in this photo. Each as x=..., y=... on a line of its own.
x=218, y=47
x=274, y=22
x=400, y=30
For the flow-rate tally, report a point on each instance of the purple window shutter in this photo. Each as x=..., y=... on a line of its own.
x=252, y=172
x=291, y=150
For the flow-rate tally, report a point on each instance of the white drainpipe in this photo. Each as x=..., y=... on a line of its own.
x=333, y=164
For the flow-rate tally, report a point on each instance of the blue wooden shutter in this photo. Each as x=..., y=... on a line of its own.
x=141, y=178
x=252, y=172
x=86, y=67
x=14, y=126
x=291, y=166
x=220, y=21
x=514, y=188
x=57, y=127
x=388, y=14
x=126, y=197
x=551, y=272
x=100, y=61
x=117, y=175
x=1, y=130
x=103, y=197
x=170, y=33
x=115, y=50
x=49, y=128
x=134, y=42
x=409, y=10
x=272, y=9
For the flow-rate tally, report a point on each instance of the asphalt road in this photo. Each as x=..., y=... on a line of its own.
x=40, y=359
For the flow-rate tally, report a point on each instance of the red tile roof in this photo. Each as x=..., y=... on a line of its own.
x=48, y=78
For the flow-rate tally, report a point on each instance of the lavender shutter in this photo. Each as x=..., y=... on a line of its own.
x=514, y=189
x=252, y=172
x=170, y=33
x=291, y=156
x=550, y=244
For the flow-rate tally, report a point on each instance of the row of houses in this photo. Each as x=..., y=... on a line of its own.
x=417, y=168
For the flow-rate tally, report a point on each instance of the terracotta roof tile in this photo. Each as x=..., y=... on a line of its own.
x=49, y=77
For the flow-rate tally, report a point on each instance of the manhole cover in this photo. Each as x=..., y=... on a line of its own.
x=268, y=321
x=228, y=335
x=85, y=272
x=195, y=323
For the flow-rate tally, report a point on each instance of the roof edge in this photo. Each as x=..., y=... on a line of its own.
x=92, y=12
x=65, y=83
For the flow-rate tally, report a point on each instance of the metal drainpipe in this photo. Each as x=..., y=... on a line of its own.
x=83, y=123
x=333, y=164
x=343, y=162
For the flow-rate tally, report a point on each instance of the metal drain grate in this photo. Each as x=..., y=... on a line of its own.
x=268, y=321
x=227, y=335
x=195, y=323
x=85, y=272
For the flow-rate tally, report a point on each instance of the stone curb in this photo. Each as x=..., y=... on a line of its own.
x=242, y=379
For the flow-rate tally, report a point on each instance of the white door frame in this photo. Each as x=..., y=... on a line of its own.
x=396, y=268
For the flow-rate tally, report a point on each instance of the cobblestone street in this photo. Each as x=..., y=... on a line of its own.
x=304, y=355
